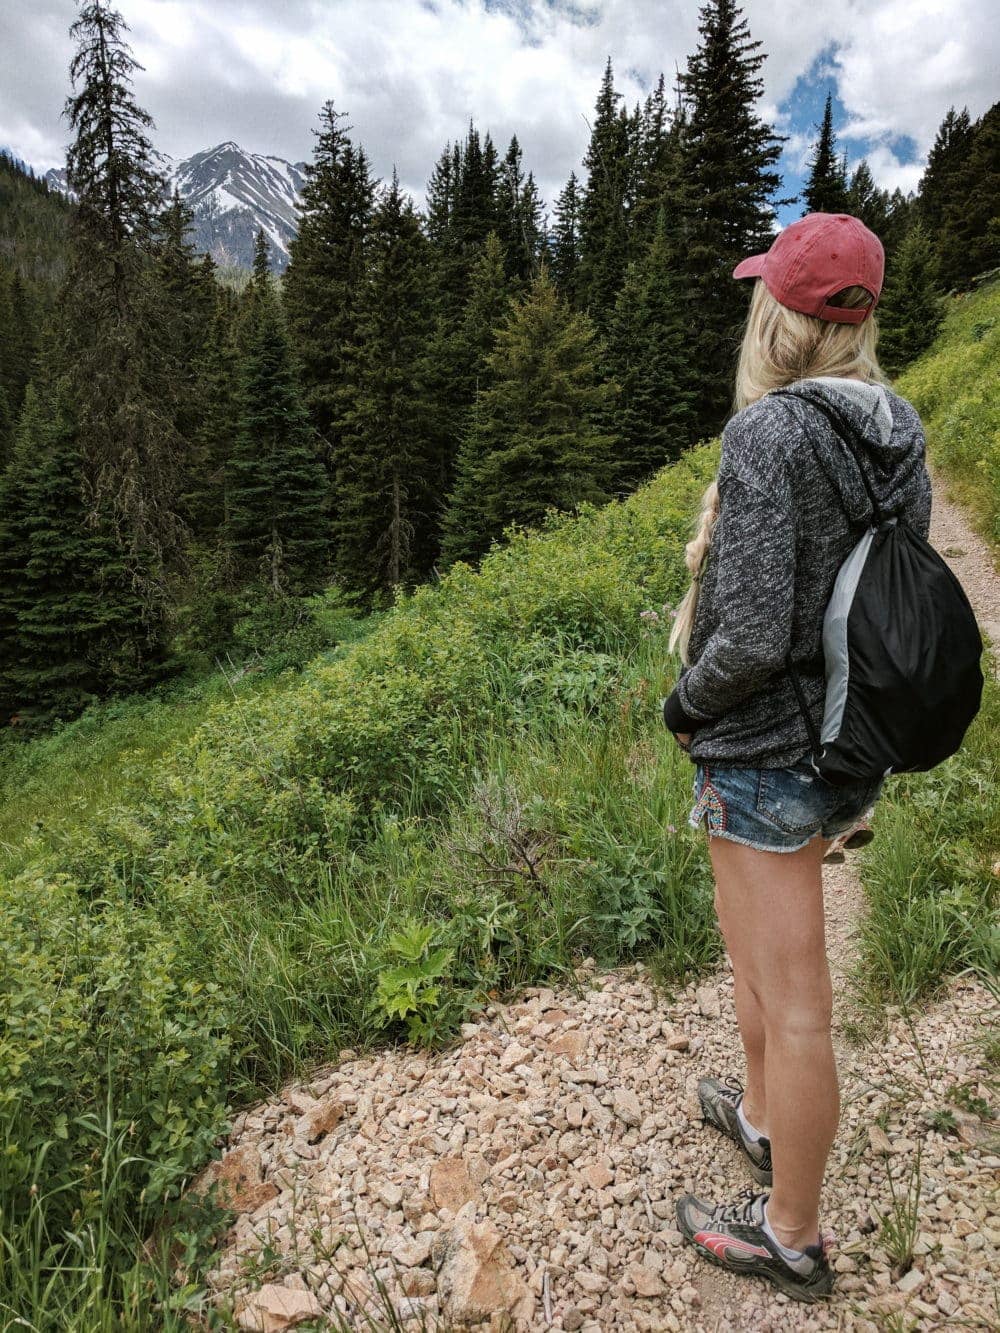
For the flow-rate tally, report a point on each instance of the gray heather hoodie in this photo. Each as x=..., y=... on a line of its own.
x=785, y=479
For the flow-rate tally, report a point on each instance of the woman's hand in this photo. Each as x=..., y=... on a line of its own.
x=677, y=722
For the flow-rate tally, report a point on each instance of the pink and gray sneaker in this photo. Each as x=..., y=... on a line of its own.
x=732, y=1235
x=719, y=1106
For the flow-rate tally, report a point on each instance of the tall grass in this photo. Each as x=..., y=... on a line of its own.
x=954, y=388
x=485, y=775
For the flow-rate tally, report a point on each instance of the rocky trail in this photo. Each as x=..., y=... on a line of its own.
x=525, y=1177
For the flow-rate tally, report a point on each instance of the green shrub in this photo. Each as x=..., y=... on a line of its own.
x=954, y=388
x=228, y=905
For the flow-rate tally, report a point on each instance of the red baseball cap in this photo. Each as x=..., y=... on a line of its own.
x=816, y=257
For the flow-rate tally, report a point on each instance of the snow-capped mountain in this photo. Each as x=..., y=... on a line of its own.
x=232, y=193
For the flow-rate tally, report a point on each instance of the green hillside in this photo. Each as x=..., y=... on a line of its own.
x=33, y=225
x=478, y=794
x=956, y=389
x=474, y=796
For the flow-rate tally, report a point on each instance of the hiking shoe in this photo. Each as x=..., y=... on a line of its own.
x=836, y=853
x=719, y=1102
x=859, y=836
x=732, y=1235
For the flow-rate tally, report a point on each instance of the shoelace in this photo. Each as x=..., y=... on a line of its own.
x=744, y=1211
x=741, y=1211
x=732, y=1090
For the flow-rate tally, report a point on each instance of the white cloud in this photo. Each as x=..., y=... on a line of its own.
x=412, y=73
x=889, y=172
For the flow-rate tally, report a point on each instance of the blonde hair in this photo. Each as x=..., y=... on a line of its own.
x=779, y=346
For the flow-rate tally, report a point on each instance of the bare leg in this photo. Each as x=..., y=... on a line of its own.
x=772, y=917
x=751, y=1025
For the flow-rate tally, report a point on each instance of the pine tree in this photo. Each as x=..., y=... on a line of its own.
x=441, y=189
x=910, y=310
x=205, y=502
x=662, y=178
x=322, y=284
x=605, y=241
x=18, y=340
x=946, y=158
x=260, y=269
x=653, y=164
x=969, y=238
x=647, y=357
x=564, y=261
x=867, y=202
x=386, y=517
x=826, y=186
x=729, y=154
x=453, y=369
x=487, y=307
x=68, y=610
x=534, y=441
x=475, y=212
x=463, y=208
x=7, y=421
x=277, y=521
x=449, y=261
x=185, y=299
x=518, y=218
x=901, y=213
x=122, y=380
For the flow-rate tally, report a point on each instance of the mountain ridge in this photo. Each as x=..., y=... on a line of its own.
x=232, y=193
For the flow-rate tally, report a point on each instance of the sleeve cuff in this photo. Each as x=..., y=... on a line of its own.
x=675, y=717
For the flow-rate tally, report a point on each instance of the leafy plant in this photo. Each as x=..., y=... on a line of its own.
x=942, y=1121
x=408, y=988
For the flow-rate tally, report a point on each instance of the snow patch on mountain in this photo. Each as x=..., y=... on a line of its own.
x=232, y=193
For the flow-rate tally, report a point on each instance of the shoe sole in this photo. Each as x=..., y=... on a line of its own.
x=861, y=838
x=790, y=1288
x=761, y=1176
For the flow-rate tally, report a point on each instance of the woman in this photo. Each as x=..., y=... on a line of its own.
x=787, y=506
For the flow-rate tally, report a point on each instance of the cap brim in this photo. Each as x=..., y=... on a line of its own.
x=750, y=268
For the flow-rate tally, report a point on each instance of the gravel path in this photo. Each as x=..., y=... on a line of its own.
x=968, y=555
x=531, y=1169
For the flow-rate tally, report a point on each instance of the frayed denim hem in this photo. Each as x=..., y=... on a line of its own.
x=758, y=846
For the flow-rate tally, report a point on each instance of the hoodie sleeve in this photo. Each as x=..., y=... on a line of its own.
x=920, y=518
x=754, y=546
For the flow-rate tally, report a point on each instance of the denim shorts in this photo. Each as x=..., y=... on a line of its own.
x=776, y=809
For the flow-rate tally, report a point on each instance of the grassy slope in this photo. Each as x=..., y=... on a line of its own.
x=931, y=873
x=467, y=800
x=956, y=389
x=474, y=796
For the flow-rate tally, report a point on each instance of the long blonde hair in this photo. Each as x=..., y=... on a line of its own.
x=779, y=346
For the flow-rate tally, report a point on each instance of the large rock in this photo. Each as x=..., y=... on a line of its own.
x=451, y=1186
x=320, y=1118
x=274, y=1308
x=627, y=1107
x=476, y=1277
x=572, y=1044
x=240, y=1178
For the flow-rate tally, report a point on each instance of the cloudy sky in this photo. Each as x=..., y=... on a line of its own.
x=412, y=73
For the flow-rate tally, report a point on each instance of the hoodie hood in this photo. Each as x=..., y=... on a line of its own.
x=888, y=435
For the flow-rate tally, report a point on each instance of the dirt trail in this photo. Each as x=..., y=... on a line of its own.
x=725, y=1304
x=533, y=1166
x=968, y=555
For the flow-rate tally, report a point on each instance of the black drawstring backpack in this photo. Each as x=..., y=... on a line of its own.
x=902, y=649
